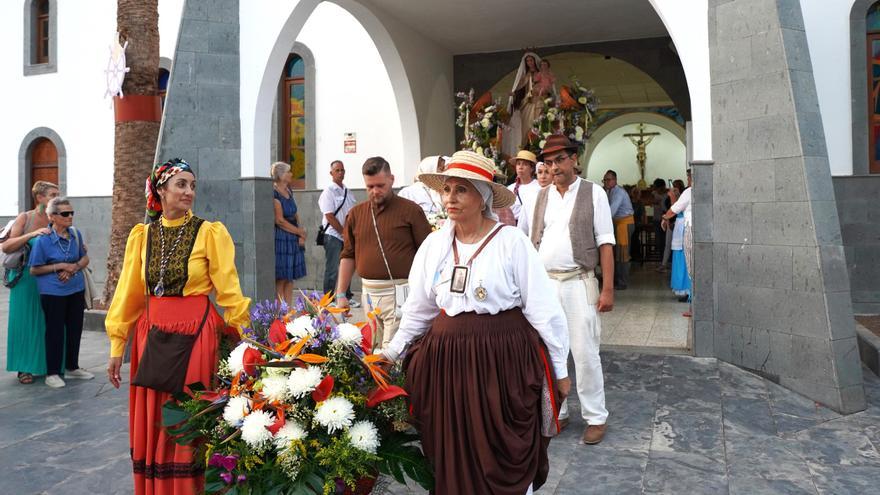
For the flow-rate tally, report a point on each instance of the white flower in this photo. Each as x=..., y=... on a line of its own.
x=300, y=327
x=254, y=430
x=579, y=133
x=236, y=358
x=485, y=123
x=542, y=143
x=290, y=432
x=350, y=334
x=364, y=436
x=235, y=410
x=479, y=150
x=582, y=100
x=548, y=101
x=275, y=388
x=488, y=115
x=303, y=380
x=335, y=413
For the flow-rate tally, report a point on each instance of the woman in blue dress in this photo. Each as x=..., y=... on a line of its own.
x=680, y=280
x=290, y=238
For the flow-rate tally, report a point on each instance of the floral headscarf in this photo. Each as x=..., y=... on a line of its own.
x=162, y=173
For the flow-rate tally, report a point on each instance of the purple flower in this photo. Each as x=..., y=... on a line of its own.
x=241, y=479
x=227, y=462
x=226, y=477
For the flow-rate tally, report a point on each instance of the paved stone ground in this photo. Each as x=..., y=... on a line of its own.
x=678, y=425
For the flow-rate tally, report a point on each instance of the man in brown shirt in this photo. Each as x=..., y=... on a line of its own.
x=382, y=262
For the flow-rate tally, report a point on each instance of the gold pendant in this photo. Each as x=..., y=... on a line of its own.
x=480, y=292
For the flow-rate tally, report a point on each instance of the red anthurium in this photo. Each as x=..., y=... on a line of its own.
x=279, y=422
x=323, y=390
x=251, y=358
x=379, y=395
x=277, y=332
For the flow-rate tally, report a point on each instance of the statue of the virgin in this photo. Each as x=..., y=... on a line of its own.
x=524, y=104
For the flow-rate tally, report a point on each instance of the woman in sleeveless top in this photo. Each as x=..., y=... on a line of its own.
x=484, y=340
x=290, y=257
x=177, y=260
x=26, y=330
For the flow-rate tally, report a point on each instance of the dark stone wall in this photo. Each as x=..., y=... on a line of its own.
x=860, y=227
x=782, y=304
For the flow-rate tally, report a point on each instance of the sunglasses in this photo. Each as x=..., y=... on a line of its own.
x=66, y=214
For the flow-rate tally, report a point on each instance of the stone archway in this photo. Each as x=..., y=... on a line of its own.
x=859, y=85
x=628, y=119
x=24, y=162
x=391, y=58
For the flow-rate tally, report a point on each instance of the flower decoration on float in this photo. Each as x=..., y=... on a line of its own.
x=302, y=406
x=482, y=123
x=573, y=115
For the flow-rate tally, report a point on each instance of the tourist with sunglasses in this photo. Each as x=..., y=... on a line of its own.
x=57, y=261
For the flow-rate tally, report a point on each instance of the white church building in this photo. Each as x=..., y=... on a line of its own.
x=772, y=103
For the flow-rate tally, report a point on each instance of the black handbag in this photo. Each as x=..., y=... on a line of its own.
x=165, y=359
x=319, y=239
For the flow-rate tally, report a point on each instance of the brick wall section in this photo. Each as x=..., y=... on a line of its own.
x=781, y=297
x=860, y=227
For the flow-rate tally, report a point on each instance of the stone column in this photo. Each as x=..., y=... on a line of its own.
x=782, y=302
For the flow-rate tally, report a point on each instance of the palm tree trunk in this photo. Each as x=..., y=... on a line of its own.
x=135, y=147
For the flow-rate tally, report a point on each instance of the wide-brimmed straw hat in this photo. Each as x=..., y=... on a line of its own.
x=557, y=142
x=471, y=166
x=524, y=155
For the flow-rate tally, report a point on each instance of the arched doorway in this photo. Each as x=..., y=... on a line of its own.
x=42, y=156
x=44, y=163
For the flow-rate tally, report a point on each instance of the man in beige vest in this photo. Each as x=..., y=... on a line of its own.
x=571, y=227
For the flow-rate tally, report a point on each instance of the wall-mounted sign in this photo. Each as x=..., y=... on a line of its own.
x=349, y=143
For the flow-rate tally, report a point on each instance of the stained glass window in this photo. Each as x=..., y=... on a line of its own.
x=295, y=121
x=873, y=64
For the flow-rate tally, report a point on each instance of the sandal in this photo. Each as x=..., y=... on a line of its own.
x=25, y=378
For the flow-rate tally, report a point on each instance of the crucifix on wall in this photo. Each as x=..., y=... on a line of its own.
x=641, y=140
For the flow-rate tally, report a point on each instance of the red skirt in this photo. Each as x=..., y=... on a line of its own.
x=475, y=385
x=161, y=466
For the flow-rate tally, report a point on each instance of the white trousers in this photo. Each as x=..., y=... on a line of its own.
x=584, y=330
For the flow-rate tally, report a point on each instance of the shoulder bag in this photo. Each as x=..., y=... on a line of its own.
x=319, y=239
x=165, y=359
x=91, y=293
x=401, y=291
x=15, y=263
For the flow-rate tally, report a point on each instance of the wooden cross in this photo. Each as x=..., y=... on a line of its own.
x=641, y=140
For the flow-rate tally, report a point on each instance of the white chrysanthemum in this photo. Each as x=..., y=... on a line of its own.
x=276, y=371
x=335, y=413
x=236, y=358
x=300, y=327
x=303, y=380
x=236, y=409
x=364, y=436
x=349, y=334
x=275, y=388
x=290, y=432
x=254, y=430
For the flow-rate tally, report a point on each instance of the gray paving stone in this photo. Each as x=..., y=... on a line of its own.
x=748, y=417
x=843, y=445
x=603, y=471
x=833, y=480
x=677, y=472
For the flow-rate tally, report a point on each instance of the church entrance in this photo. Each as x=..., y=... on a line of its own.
x=635, y=133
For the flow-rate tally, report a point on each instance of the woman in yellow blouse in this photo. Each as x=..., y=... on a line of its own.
x=171, y=266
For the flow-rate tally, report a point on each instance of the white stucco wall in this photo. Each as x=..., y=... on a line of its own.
x=353, y=94
x=666, y=157
x=70, y=101
x=688, y=26
x=828, y=36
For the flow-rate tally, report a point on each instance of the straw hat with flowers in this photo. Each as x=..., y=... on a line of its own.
x=474, y=167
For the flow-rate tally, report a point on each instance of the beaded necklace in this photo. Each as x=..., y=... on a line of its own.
x=159, y=290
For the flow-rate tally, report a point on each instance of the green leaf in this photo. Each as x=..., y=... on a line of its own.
x=214, y=486
x=173, y=414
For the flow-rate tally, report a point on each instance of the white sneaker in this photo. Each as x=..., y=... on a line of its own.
x=79, y=374
x=353, y=304
x=55, y=381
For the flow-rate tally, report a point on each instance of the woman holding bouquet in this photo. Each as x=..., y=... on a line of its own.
x=177, y=260
x=487, y=342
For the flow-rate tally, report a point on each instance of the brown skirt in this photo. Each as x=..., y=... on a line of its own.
x=475, y=386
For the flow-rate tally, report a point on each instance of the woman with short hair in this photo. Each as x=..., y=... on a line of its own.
x=26, y=330
x=171, y=266
x=486, y=341
x=290, y=238
x=57, y=261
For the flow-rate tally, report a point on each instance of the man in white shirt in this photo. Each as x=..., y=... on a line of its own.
x=335, y=202
x=574, y=217
x=526, y=186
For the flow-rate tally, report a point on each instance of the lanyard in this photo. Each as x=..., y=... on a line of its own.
x=455, y=248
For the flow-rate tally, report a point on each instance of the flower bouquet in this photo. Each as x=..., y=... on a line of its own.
x=482, y=122
x=302, y=408
x=437, y=219
x=572, y=115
